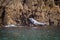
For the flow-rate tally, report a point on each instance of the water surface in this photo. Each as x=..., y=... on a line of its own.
x=30, y=33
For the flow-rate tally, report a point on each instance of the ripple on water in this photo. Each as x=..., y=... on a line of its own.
x=30, y=34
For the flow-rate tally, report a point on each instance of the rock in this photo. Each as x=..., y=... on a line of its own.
x=10, y=25
x=18, y=11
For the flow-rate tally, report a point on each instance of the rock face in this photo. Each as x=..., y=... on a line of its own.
x=18, y=11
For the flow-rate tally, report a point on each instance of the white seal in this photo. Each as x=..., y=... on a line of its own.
x=36, y=22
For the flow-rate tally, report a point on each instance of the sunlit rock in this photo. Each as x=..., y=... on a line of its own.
x=18, y=11
x=10, y=25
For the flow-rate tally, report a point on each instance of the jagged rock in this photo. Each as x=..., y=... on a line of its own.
x=18, y=11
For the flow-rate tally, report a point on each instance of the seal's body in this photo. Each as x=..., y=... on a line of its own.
x=33, y=21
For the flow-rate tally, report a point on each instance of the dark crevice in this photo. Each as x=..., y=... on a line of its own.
x=32, y=16
x=57, y=2
x=24, y=1
x=0, y=7
x=3, y=15
x=45, y=0
x=35, y=4
x=58, y=22
x=51, y=22
x=23, y=19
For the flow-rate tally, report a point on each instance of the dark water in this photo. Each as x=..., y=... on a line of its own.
x=30, y=33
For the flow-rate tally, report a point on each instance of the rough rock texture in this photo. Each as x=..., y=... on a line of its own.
x=18, y=11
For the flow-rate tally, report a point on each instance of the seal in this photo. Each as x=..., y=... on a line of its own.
x=33, y=21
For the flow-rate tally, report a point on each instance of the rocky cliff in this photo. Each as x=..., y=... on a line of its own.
x=18, y=11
